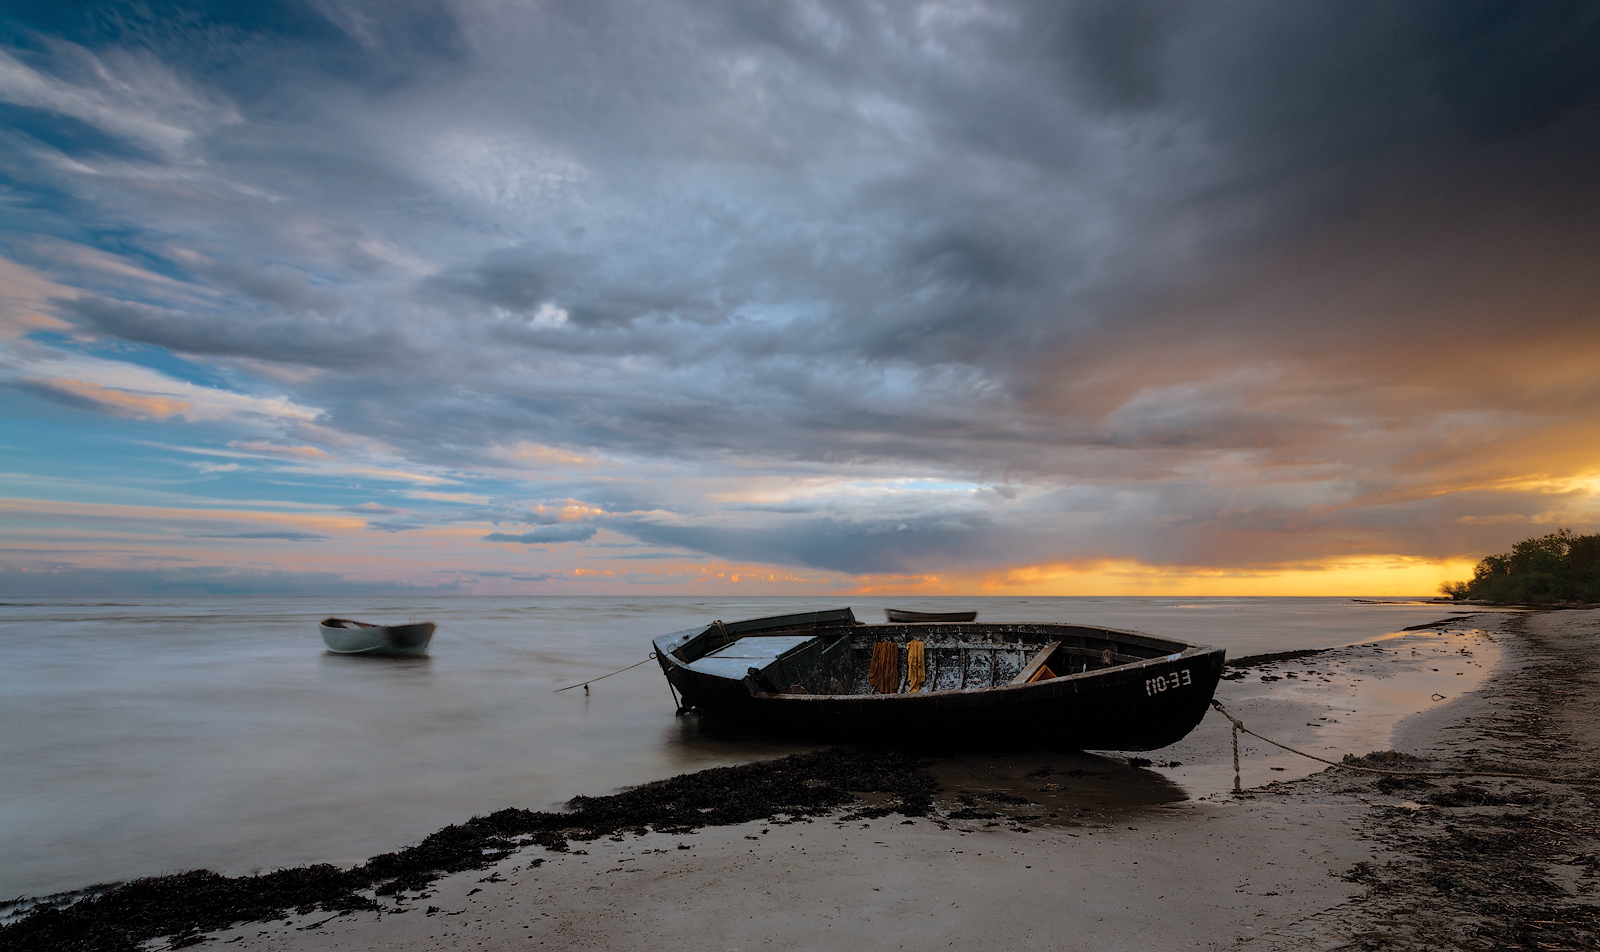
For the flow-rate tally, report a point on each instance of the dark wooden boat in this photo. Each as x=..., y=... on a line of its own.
x=825, y=675
x=902, y=617
x=344, y=636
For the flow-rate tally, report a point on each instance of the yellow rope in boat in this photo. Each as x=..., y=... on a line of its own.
x=916, y=666
x=884, y=673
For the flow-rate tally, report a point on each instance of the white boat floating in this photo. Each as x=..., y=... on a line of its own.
x=344, y=636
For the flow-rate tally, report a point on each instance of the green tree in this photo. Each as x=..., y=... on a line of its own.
x=1560, y=567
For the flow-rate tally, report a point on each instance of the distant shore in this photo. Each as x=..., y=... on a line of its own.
x=875, y=849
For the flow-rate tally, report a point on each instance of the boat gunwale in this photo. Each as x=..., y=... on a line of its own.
x=699, y=630
x=358, y=624
x=1192, y=652
x=909, y=616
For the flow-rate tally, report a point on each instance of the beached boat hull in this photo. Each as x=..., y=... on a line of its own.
x=1126, y=690
x=376, y=639
x=903, y=617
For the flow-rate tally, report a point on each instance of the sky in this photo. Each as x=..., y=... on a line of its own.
x=794, y=298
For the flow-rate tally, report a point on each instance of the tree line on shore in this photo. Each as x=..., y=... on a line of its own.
x=1560, y=567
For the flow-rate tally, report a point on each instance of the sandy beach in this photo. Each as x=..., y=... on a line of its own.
x=1052, y=850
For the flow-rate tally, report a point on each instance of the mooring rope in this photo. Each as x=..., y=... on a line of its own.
x=1238, y=726
x=584, y=684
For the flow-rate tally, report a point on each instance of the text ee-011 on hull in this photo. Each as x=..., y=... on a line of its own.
x=825, y=675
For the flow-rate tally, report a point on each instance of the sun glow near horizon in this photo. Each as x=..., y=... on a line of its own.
x=1381, y=576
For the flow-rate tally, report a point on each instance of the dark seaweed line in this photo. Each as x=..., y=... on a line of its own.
x=185, y=905
x=1276, y=657
x=1252, y=661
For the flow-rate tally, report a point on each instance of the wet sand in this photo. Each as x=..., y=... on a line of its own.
x=1055, y=850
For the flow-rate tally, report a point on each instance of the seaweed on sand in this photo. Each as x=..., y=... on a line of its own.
x=185, y=905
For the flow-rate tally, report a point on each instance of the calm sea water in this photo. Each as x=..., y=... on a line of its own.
x=152, y=735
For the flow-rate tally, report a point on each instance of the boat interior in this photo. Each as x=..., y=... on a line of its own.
x=845, y=658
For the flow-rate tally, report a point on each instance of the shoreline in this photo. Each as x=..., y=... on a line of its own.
x=1155, y=852
x=1485, y=863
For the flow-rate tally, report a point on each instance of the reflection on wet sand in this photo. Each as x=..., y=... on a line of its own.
x=1341, y=701
x=987, y=786
x=1047, y=788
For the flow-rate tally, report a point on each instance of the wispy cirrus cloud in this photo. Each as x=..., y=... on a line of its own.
x=123, y=389
x=284, y=536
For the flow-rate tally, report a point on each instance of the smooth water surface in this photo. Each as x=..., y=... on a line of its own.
x=151, y=735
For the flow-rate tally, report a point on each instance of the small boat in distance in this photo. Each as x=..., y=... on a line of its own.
x=344, y=636
x=826, y=675
x=902, y=617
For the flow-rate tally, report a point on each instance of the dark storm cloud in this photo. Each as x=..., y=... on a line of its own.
x=67, y=579
x=1116, y=48
x=503, y=282
x=285, y=536
x=519, y=576
x=1179, y=259
x=652, y=556
x=843, y=547
x=567, y=533
x=390, y=525
x=371, y=509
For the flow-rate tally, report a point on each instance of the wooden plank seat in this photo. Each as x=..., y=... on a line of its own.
x=1030, y=672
